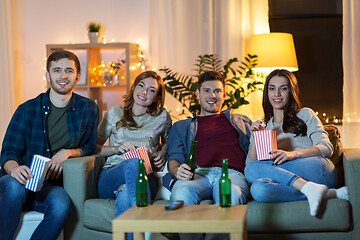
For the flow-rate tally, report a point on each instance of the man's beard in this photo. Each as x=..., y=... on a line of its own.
x=60, y=90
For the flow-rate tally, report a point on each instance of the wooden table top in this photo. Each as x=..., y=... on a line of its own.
x=189, y=218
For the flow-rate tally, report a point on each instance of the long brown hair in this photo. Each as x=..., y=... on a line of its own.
x=291, y=123
x=154, y=109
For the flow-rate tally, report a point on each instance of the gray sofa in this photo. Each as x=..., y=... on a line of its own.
x=339, y=219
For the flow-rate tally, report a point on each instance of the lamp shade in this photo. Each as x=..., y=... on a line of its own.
x=274, y=51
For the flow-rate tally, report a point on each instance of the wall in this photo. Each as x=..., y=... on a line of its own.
x=317, y=30
x=41, y=22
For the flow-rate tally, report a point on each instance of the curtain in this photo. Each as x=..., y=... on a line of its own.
x=351, y=62
x=182, y=30
x=7, y=92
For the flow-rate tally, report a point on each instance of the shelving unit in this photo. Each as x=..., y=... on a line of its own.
x=106, y=92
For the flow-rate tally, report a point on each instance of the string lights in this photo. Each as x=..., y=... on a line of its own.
x=325, y=119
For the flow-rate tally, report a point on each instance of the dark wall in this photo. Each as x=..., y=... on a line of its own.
x=317, y=29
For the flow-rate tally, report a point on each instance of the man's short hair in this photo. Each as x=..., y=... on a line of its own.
x=60, y=54
x=210, y=76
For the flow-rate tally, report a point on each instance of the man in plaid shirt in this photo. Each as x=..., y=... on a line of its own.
x=58, y=124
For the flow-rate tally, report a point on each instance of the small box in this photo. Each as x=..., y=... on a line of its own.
x=140, y=153
x=265, y=142
x=38, y=168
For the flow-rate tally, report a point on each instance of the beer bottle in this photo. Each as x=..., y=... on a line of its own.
x=142, y=186
x=191, y=160
x=225, y=185
x=151, y=152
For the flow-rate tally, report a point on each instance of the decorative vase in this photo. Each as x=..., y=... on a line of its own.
x=94, y=37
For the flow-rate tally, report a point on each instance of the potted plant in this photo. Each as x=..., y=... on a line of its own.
x=93, y=33
x=240, y=81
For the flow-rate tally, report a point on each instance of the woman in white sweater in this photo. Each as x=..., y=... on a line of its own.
x=299, y=169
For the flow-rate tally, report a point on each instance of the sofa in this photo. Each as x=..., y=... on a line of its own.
x=91, y=217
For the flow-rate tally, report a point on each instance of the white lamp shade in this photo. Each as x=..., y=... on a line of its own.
x=274, y=51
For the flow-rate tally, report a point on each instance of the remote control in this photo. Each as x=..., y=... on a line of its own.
x=174, y=205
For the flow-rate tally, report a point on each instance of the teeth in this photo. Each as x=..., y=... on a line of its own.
x=142, y=98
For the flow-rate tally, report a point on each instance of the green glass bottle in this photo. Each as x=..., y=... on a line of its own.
x=191, y=160
x=225, y=185
x=142, y=186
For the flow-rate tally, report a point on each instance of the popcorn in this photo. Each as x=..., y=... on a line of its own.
x=39, y=169
x=265, y=142
x=140, y=153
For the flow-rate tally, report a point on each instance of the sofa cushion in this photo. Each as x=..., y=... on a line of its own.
x=98, y=214
x=334, y=215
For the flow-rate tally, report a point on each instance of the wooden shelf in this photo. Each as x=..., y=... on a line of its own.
x=91, y=55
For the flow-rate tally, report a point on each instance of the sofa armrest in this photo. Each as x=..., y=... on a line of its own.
x=80, y=183
x=352, y=180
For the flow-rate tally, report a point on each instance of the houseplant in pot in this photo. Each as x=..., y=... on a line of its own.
x=240, y=81
x=93, y=33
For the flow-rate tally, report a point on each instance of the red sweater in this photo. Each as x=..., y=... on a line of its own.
x=218, y=139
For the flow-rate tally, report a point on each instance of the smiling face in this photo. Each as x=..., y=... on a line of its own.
x=278, y=92
x=62, y=76
x=211, y=95
x=145, y=93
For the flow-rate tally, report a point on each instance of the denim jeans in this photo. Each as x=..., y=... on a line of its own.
x=206, y=186
x=273, y=183
x=51, y=200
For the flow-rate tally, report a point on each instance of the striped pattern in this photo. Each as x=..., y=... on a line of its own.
x=265, y=142
x=140, y=153
x=38, y=166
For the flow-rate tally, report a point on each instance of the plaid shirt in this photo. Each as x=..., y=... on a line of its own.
x=27, y=133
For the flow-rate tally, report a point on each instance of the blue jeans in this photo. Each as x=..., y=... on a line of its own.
x=51, y=200
x=126, y=172
x=206, y=186
x=273, y=183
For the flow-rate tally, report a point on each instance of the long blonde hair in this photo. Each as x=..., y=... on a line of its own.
x=154, y=109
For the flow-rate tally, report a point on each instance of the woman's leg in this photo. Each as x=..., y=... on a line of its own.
x=266, y=190
x=110, y=180
x=265, y=169
x=302, y=174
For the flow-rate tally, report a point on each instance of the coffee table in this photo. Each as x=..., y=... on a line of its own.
x=189, y=219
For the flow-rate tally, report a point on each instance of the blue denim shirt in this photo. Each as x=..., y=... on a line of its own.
x=27, y=133
x=183, y=132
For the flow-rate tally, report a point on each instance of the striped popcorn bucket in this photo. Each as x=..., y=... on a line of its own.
x=38, y=168
x=140, y=153
x=265, y=142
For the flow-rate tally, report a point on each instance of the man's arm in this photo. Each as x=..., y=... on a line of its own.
x=55, y=164
x=20, y=173
x=88, y=142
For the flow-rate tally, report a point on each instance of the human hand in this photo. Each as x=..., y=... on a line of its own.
x=257, y=125
x=159, y=160
x=280, y=156
x=21, y=173
x=126, y=147
x=55, y=164
x=184, y=172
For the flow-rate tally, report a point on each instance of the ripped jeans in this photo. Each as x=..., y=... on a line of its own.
x=126, y=172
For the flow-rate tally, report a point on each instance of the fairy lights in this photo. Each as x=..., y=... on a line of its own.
x=107, y=74
x=326, y=119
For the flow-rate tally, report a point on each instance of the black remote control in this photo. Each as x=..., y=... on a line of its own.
x=174, y=205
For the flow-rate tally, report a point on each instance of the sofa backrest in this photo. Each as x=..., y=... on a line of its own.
x=337, y=156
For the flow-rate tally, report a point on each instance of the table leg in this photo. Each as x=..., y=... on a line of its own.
x=139, y=236
x=238, y=236
x=119, y=235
